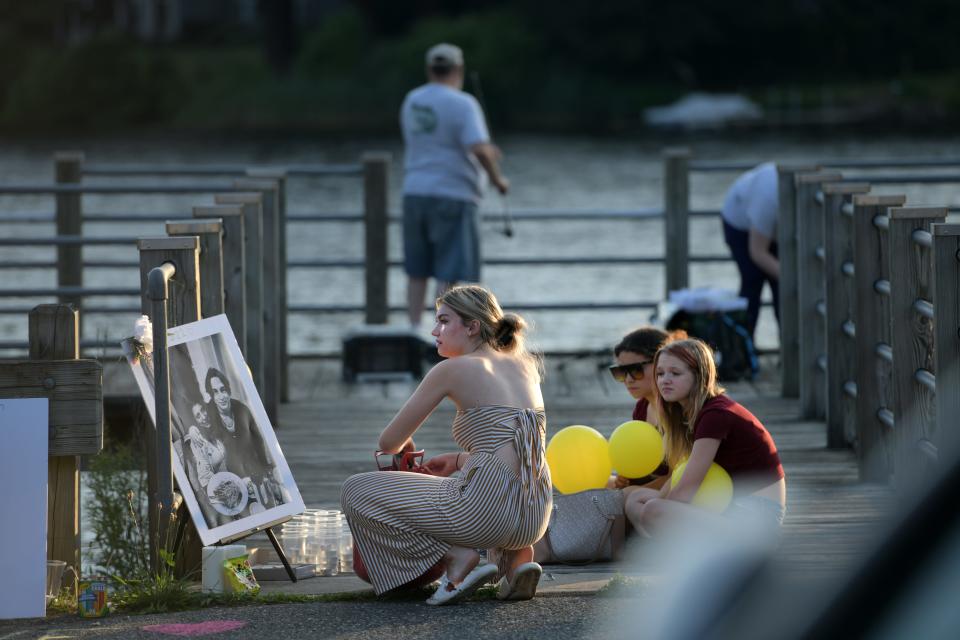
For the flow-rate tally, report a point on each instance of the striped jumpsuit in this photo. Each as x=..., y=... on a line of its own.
x=403, y=523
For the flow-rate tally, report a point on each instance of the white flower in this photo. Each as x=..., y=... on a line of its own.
x=143, y=333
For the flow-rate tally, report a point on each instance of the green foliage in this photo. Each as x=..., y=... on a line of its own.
x=14, y=57
x=590, y=67
x=499, y=48
x=158, y=592
x=738, y=42
x=363, y=80
x=180, y=596
x=118, y=487
x=34, y=21
x=226, y=88
x=142, y=588
x=107, y=82
x=337, y=46
x=65, y=602
x=118, y=518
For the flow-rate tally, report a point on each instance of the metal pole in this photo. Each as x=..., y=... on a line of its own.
x=161, y=504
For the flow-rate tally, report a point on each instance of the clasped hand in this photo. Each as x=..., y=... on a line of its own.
x=444, y=464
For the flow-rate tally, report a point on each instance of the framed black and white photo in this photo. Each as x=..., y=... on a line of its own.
x=228, y=463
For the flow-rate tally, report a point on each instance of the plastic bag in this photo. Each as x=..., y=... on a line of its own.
x=238, y=576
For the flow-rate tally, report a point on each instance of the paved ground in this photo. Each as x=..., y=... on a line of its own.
x=546, y=617
x=556, y=580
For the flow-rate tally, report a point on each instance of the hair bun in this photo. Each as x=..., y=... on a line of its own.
x=507, y=329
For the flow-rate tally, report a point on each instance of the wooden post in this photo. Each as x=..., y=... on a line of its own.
x=376, y=171
x=252, y=207
x=787, y=253
x=911, y=279
x=74, y=390
x=874, y=373
x=272, y=358
x=184, y=253
x=840, y=296
x=55, y=335
x=280, y=177
x=183, y=306
x=232, y=251
x=68, y=169
x=946, y=324
x=209, y=232
x=676, y=211
x=810, y=292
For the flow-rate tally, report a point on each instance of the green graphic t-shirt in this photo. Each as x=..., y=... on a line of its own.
x=440, y=125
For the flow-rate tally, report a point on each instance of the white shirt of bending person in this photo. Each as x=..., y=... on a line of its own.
x=753, y=201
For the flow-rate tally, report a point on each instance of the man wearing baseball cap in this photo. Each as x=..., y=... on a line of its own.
x=447, y=161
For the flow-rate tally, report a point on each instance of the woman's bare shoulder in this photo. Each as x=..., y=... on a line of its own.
x=452, y=368
x=482, y=365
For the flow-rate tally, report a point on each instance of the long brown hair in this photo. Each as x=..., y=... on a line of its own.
x=677, y=422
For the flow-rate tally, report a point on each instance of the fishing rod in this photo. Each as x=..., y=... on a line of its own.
x=507, y=217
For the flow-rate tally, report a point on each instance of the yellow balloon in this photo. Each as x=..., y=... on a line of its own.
x=636, y=449
x=579, y=459
x=715, y=491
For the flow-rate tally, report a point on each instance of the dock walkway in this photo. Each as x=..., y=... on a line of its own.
x=329, y=431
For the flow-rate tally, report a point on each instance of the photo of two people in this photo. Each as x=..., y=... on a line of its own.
x=227, y=462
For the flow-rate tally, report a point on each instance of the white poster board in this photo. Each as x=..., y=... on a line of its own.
x=24, y=430
x=227, y=461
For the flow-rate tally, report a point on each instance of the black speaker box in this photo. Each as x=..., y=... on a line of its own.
x=376, y=352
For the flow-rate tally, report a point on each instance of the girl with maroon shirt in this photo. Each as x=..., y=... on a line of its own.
x=634, y=368
x=703, y=425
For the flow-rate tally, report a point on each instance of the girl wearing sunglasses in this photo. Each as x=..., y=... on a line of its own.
x=702, y=425
x=634, y=368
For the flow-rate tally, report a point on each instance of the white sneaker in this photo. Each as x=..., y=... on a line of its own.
x=480, y=576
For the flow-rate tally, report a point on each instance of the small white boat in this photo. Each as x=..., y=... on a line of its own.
x=704, y=111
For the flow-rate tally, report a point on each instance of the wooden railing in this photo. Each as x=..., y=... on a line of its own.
x=375, y=218
x=877, y=308
x=870, y=326
x=797, y=198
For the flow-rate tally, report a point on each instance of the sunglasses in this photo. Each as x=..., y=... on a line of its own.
x=620, y=371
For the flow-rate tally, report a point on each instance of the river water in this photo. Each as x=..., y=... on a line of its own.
x=546, y=173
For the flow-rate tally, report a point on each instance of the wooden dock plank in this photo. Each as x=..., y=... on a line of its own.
x=330, y=430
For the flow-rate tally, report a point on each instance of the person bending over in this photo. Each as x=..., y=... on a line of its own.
x=749, y=215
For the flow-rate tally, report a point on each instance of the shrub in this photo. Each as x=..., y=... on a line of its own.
x=118, y=487
x=103, y=83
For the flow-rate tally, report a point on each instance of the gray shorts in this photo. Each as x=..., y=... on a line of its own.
x=441, y=239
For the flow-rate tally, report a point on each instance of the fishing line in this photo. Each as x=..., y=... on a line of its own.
x=507, y=230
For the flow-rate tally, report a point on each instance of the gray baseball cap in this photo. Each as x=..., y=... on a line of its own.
x=444, y=54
